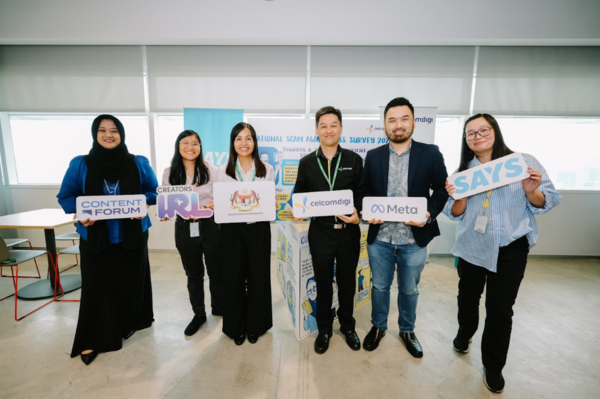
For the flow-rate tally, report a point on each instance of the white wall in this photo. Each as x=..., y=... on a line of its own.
x=305, y=22
x=572, y=228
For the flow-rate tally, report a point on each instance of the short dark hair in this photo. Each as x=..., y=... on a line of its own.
x=328, y=110
x=261, y=170
x=398, y=102
x=498, y=150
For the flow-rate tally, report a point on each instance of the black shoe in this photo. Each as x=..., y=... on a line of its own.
x=322, y=342
x=493, y=381
x=128, y=334
x=239, y=339
x=252, y=338
x=461, y=344
x=194, y=325
x=352, y=339
x=412, y=344
x=372, y=339
x=88, y=357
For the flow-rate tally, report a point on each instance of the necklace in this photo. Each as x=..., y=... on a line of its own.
x=111, y=191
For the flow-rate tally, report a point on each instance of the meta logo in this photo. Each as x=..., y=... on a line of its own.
x=429, y=121
x=111, y=207
x=185, y=204
x=379, y=208
x=489, y=175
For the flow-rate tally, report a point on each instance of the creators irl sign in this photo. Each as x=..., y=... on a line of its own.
x=496, y=173
x=101, y=207
x=180, y=200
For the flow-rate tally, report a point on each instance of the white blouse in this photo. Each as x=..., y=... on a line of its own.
x=205, y=191
x=222, y=176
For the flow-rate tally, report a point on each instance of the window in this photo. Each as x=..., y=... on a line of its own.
x=566, y=147
x=43, y=146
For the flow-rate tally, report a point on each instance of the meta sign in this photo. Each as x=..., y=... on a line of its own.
x=102, y=207
x=395, y=209
x=496, y=173
x=323, y=203
x=180, y=200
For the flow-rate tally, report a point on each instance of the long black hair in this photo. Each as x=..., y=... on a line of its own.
x=498, y=150
x=261, y=170
x=177, y=175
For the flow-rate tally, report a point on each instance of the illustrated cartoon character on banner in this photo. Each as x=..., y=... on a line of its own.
x=309, y=306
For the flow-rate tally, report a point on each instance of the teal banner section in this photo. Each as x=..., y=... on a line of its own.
x=214, y=127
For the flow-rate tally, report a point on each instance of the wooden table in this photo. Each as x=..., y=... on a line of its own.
x=47, y=219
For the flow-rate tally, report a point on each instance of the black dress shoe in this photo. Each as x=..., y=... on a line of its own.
x=352, y=339
x=412, y=344
x=493, y=380
x=194, y=325
x=322, y=342
x=87, y=358
x=128, y=334
x=372, y=339
x=461, y=344
x=252, y=338
x=239, y=339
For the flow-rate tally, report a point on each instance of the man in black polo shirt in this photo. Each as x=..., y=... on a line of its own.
x=333, y=238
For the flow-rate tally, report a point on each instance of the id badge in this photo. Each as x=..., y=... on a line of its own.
x=194, y=229
x=481, y=223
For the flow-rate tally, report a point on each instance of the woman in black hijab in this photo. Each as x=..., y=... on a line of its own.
x=116, y=291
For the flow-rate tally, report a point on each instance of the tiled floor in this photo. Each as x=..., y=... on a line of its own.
x=555, y=351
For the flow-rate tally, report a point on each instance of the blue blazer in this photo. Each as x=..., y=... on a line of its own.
x=426, y=171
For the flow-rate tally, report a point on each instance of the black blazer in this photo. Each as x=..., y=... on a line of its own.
x=426, y=171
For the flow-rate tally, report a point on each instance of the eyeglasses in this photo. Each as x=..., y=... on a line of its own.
x=193, y=144
x=483, y=131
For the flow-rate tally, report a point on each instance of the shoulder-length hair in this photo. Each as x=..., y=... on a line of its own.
x=261, y=170
x=177, y=175
x=498, y=150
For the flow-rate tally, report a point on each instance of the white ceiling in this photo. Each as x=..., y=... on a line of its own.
x=301, y=22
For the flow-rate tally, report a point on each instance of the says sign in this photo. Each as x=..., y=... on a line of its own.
x=180, y=200
x=496, y=173
x=102, y=207
x=395, y=209
x=323, y=203
x=239, y=202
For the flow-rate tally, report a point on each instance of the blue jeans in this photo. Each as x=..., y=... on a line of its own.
x=383, y=258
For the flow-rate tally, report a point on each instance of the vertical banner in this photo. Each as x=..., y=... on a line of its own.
x=214, y=127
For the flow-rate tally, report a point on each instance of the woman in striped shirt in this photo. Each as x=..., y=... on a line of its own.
x=495, y=232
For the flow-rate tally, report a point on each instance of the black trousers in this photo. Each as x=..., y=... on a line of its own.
x=116, y=296
x=246, y=250
x=342, y=247
x=191, y=250
x=501, y=293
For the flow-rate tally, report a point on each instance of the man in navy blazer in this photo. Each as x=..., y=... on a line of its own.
x=402, y=168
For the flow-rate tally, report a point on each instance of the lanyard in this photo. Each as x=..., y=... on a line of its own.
x=331, y=183
x=240, y=173
x=486, y=203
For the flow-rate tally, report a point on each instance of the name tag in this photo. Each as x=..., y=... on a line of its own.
x=395, y=209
